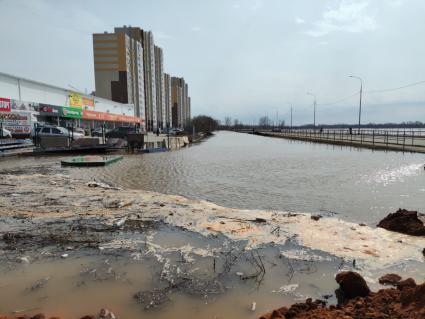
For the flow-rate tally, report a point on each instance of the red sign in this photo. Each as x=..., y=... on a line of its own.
x=4, y=105
x=102, y=116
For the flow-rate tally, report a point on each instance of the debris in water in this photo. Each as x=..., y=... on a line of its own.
x=153, y=298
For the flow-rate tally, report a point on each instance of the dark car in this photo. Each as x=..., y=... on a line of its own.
x=98, y=132
x=120, y=132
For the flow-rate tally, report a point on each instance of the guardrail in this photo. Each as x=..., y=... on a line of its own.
x=405, y=140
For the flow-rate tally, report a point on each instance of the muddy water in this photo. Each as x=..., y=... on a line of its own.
x=230, y=169
x=69, y=292
x=252, y=172
x=88, y=280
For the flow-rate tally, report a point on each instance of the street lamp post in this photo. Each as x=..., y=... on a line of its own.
x=291, y=115
x=361, y=93
x=314, y=109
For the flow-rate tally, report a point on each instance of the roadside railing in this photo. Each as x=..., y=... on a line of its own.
x=406, y=138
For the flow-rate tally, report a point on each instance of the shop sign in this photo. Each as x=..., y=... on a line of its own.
x=102, y=116
x=16, y=122
x=75, y=100
x=17, y=105
x=4, y=105
x=49, y=110
x=71, y=112
x=87, y=102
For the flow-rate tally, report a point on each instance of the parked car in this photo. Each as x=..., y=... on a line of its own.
x=120, y=132
x=5, y=133
x=80, y=130
x=48, y=130
x=98, y=131
x=175, y=131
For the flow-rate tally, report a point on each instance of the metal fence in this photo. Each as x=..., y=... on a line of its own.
x=403, y=139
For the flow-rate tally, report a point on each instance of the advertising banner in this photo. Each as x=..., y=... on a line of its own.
x=49, y=110
x=71, y=112
x=75, y=100
x=102, y=116
x=87, y=102
x=16, y=122
x=4, y=105
x=17, y=105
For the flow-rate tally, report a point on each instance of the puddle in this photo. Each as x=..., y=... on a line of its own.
x=194, y=277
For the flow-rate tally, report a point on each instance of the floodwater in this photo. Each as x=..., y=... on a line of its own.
x=229, y=169
x=86, y=281
x=254, y=172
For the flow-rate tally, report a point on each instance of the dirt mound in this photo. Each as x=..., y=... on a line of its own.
x=390, y=279
x=405, y=302
x=351, y=285
x=405, y=222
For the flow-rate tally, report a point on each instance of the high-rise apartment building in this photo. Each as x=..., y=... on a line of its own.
x=150, y=81
x=118, y=68
x=129, y=68
x=180, y=102
x=160, y=88
x=167, y=100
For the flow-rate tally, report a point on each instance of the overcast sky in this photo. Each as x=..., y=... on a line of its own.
x=241, y=58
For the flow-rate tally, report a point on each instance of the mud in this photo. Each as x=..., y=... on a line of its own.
x=405, y=302
x=194, y=248
x=405, y=222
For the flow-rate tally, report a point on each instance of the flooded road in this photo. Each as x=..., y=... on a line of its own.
x=252, y=172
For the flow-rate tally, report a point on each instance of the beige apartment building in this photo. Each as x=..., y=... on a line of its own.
x=129, y=68
x=180, y=102
x=160, y=88
x=167, y=100
x=118, y=68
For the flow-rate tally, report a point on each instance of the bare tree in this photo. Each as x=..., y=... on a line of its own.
x=227, y=121
x=264, y=121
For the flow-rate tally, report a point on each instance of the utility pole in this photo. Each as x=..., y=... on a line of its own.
x=361, y=93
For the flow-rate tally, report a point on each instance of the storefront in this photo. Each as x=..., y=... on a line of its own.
x=19, y=117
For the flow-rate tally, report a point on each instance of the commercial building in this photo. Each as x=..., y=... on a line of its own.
x=24, y=102
x=180, y=102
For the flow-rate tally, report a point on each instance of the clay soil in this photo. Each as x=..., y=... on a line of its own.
x=404, y=302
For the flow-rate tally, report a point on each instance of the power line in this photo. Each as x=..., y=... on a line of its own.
x=397, y=88
x=372, y=92
x=340, y=100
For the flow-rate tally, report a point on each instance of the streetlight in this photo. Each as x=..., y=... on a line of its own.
x=361, y=92
x=291, y=114
x=314, y=111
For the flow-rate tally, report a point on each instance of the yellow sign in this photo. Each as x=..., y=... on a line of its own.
x=75, y=100
x=88, y=102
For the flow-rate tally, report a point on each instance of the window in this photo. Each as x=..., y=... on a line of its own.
x=56, y=131
x=46, y=130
